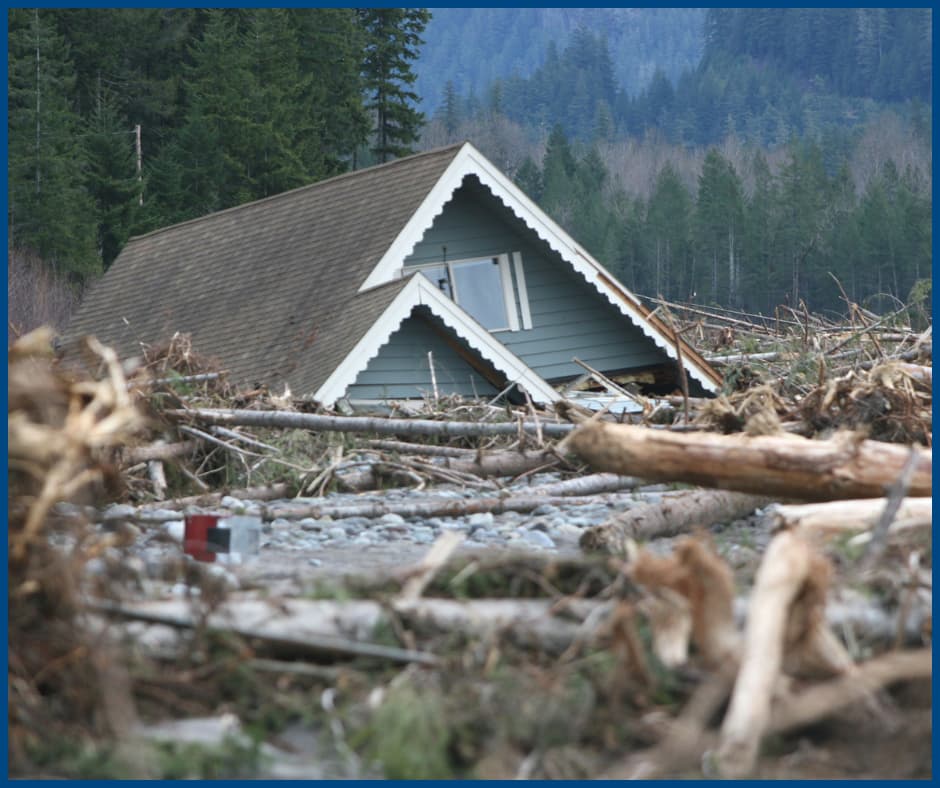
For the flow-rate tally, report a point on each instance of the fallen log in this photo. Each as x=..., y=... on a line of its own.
x=435, y=507
x=836, y=517
x=329, y=628
x=503, y=463
x=265, y=493
x=784, y=466
x=429, y=507
x=403, y=427
x=401, y=447
x=592, y=484
x=673, y=515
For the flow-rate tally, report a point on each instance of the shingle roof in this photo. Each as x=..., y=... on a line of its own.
x=268, y=287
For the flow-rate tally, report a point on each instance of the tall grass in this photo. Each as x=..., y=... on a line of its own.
x=36, y=295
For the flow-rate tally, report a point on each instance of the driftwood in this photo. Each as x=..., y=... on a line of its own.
x=503, y=463
x=401, y=447
x=266, y=493
x=298, y=631
x=825, y=698
x=159, y=451
x=786, y=631
x=831, y=518
x=784, y=466
x=403, y=427
x=675, y=514
x=328, y=628
x=431, y=507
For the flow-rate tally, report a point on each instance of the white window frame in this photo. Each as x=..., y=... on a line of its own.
x=505, y=277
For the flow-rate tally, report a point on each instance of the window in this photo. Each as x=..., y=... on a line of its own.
x=484, y=287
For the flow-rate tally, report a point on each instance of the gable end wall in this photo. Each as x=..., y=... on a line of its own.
x=569, y=318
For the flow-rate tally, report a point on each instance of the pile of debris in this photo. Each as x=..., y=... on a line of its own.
x=648, y=654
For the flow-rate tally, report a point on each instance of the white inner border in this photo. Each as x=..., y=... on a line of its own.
x=420, y=291
x=469, y=161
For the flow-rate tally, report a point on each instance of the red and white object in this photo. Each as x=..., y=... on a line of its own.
x=213, y=537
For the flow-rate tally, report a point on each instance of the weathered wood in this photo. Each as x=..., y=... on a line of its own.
x=328, y=628
x=823, y=520
x=783, y=626
x=294, y=631
x=675, y=514
x=592, y=484
x=159, y=451
x=404, y=427
x=265, y=493
x=402, y=447
x=785, y=466
x=823, y=699
x=433, y=507
x=503, y=463
x=157, y=478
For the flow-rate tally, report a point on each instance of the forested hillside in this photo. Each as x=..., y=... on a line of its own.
x=746, y=157
x=772, y=172
x=232, y=105
x=473, y=48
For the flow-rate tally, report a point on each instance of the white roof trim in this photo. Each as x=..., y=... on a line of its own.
x=469, y=161
x=419, y=291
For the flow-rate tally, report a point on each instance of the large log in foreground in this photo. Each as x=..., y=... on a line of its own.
x=787, y=466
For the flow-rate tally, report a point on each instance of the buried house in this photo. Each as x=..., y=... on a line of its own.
x=432, y=271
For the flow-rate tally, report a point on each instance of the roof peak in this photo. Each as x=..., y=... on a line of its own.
x=456, y=147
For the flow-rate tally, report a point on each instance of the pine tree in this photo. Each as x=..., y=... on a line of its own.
x=450, y=108
x=393, y=38
x=112, y=175
x=668, y=220
x=331, y=44
x=719, y=215
x=49, y=209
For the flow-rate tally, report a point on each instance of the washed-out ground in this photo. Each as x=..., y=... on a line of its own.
x=309, y=557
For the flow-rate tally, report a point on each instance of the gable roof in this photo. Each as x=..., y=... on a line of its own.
x=470, y=161
x=292, y=288
x=414, y=291
x=265, y=286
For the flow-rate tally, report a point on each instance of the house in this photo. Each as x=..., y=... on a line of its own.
x=380, y=284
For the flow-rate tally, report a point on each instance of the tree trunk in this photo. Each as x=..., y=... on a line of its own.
x=504, y=463
x=785, y=466
x=675, y=514
x=407, y=427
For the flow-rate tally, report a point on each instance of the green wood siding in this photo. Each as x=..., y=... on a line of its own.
x=569, y=317
x=401, y=371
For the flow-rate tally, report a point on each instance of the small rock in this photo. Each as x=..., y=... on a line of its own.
x=544, y=509
x=392, y=519
x=480, y=520
x=235, y=504
x=538, y=539
x=175, y=529
x=336, y=533
x=121, y=510
x=314, y=561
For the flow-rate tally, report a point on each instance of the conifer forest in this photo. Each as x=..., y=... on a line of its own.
x=784, y=148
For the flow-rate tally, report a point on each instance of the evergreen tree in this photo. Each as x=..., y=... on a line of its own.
x=331, y=44
x=719, y=215
x=111, y=176
x=393, y=38
x=49, y=209
x=668, y=230
x=529, y=179
x=450, y=108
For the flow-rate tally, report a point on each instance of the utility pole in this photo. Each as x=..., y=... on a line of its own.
x=140, y=158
